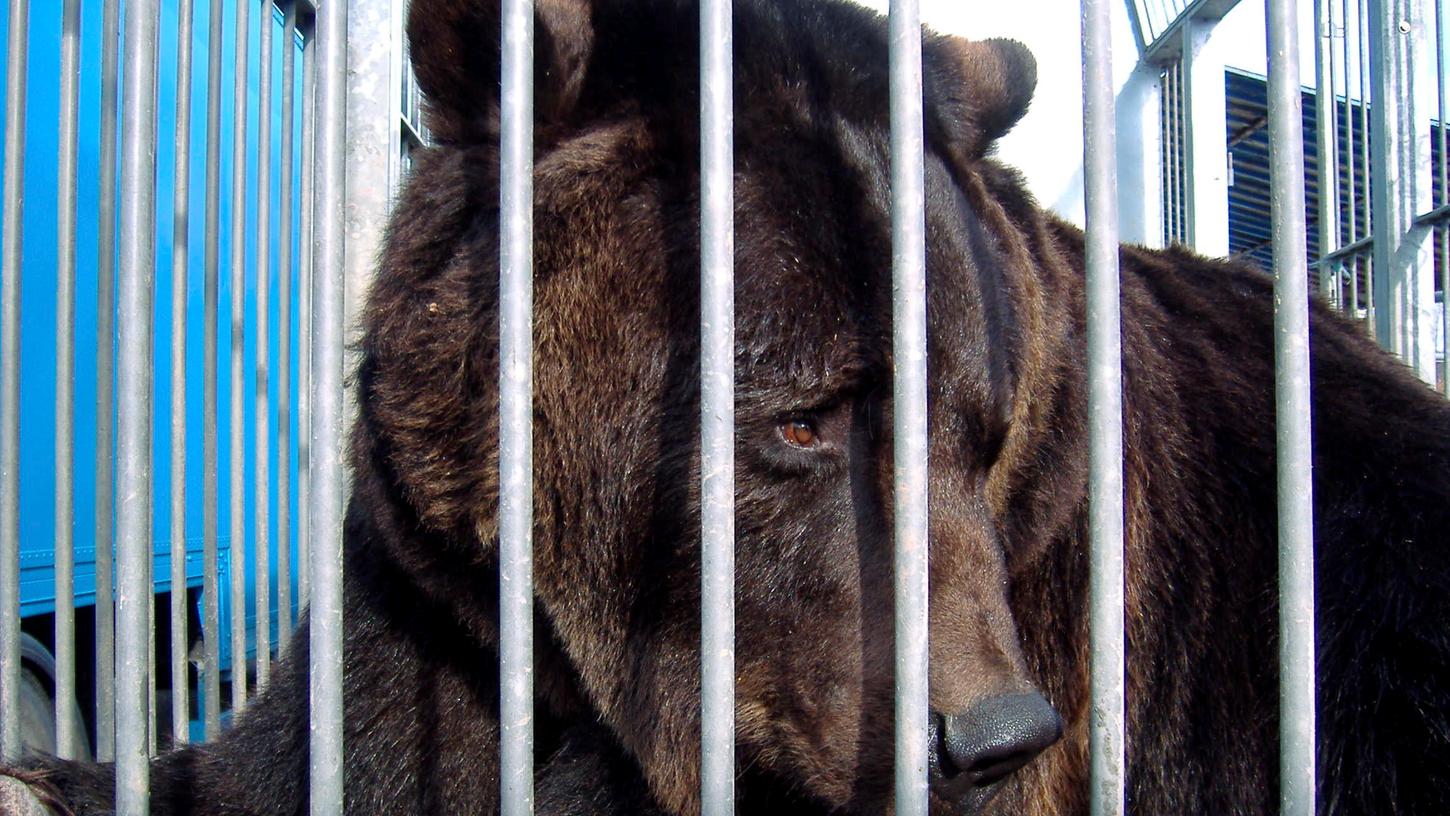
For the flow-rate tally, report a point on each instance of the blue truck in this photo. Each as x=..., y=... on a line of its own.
x=38, y=424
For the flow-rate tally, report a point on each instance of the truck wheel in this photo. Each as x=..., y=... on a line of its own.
x=37, y=703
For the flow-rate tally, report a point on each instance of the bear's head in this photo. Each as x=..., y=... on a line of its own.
x=616, y=394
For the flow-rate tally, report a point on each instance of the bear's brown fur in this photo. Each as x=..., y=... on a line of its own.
x=616, y=451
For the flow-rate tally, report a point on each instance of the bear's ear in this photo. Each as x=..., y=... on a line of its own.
x=456, y=53
x=990, y=84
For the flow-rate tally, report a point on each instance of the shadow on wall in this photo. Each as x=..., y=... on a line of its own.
x=1140, y=208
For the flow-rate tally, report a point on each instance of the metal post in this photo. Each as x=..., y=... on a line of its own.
x=1443, y=169
x=1106, y=738
x=10, y=257
x=304, y=315
x=1401, y=183
x=516, y=594
x=908, y=273
x=284, y=334
x=211, y=589
x=1205, y=150
x=105, y=385
x=1291, y=370
x=236, y=455
x=1351, y=175
x=263, y=412
x=133, y=483
x=325, y=610
x=717, y=412
x=1366, y=214
x=180, y=264
x=1326, y=84
x=65, y=355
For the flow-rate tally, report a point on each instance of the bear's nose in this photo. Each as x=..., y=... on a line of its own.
x=973, y=751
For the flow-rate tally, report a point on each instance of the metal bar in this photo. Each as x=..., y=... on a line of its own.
x=137, y=278
x=304, y=316
x=1105, y=412
x=1362, y=24
x=261, y=514
x=1350, y=178
x=717, y=412
x=908, y=271
x=1443, y=169
x=211, y=590
x=105, y=389
x=180, y=258
x=1348, y=250
x=1291, y=374
x=284, y=333
x=10, y=257
x=65, y=353
x=1401, y=184
x=1434, y=217
x=515, y=515
x=236, y=456
x=1444, y=197
x=325, y=611
x=1326, y=115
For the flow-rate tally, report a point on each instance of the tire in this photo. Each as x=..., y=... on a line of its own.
x=37, y=703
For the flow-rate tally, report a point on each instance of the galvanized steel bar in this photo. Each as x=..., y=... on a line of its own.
x=515, y=514
x=16, y=53
x=1350, y=158
x=136, y=277
x=285, y=206
x=1326, y=116
x=325, y=610
x=1366, y=212
x=1443, y=168
x=211, y=588
x=261, y=513
x=105, y=389
x=909, y=424
x=1400, y=186
x=67, y=177
x=236, y=455
x=180, y=264
x=307, y=191
x=717, y=411
x=1106, y=737
x=1291, y=372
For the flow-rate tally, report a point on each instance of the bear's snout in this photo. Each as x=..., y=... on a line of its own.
x=972, y=752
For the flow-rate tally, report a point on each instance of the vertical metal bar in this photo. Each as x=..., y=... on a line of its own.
x=237, y=473
x=325, y=611
x=304, y=315
x=133, y=483
x=211, y=589
x=1443, y=170
x=1401, y=184
x=717, y=411
x=516, y=593
x=10, y=257
x=1367, y=225
x=1291, y=370
x=1351, y=174
x=105, y=389
x=65, y=353
x=261, y=514
x=1105, y=411
x=1326, y=116
x=908, y=271
x=180, y=264
x=284, y=334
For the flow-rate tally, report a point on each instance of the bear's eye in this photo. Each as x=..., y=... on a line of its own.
x=800, y=433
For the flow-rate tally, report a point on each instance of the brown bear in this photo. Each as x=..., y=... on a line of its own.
x=616, y=454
